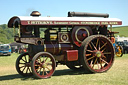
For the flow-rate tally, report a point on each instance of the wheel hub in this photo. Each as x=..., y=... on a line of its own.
x=27, y=64
x=98, y=54
x=44, y=65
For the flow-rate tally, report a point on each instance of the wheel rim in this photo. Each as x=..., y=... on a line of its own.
x=44, y=66
x=99, y=54
x=23, y=66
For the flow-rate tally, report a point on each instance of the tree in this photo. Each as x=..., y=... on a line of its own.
x=6, y=35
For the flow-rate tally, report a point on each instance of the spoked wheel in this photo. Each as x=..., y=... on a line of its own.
x=43, y=65
x=97, y=54
x=23, y=66
x=72, y=66
x=119, y=51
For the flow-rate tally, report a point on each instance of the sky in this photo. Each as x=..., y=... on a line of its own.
x=60, y=8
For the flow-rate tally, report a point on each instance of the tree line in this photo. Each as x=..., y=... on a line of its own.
x=6, y=34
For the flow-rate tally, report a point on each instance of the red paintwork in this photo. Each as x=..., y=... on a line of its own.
x=84, y=35
x=81, y=34
x=72, y=55
x=70, y=23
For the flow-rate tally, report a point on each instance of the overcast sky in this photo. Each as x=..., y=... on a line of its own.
x=60, y=8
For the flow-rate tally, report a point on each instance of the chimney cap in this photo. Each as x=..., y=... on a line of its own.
x=35, y=13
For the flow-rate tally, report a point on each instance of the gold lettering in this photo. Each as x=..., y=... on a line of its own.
x=51, y=23
x=32, y=22
x=74, y=23
x=113, y=22
x=104, y=23
x=28, y=22
x=90, y=23
x=60, y=22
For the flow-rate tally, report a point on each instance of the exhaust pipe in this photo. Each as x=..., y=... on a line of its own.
x=85, y=14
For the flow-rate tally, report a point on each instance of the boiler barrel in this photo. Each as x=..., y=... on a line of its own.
x=85, y=14
x=54, y=49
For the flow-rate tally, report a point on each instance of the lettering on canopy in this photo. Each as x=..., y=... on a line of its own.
x=70, y=23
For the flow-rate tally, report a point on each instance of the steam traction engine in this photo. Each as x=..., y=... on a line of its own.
x=76, y=41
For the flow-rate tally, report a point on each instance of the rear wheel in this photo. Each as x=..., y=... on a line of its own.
x=96, y=54
x=43, y=65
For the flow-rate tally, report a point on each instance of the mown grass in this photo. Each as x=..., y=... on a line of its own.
x=117, y=75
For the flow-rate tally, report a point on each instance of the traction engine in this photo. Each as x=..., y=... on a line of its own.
x=76, y=41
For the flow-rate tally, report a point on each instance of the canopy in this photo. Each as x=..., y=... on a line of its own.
x=30, y=20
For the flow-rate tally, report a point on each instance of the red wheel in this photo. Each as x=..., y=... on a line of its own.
x=97, y=53
x=43, y=65
x=23, y=65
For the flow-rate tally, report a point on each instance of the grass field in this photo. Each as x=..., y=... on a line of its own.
x=117, y=75
x=123, y=31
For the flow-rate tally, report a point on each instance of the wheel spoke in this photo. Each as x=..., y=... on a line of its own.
x=21, y=66
x=104, y=61
x=90, y=51
x=103, y=50
x=46, y=59
x=27, y=70
x=24, y=69
x=46, y=72
x=40, y=71
x=90, y=46
x=88, y=54
x=49, y=63
x=91, y=62
x=40, y=59
x=36, y=65
x=101, y=64
x=97, y=42
x=104, y=45
x=98, y=65
x=43, y=71
x=48, y=68
x=94, y=63
x=104, y=57
x=21, y=63
x=107, y=53
x=38, y=68
x=94, y=46
x=90, y=58
x=23, y=60
x=99, y=46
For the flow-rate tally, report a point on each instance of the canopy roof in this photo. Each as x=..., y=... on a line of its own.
x=29, y=20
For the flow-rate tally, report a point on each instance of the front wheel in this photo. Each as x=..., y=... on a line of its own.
x=43, y=65
x=96, y=54
x=23, y=65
